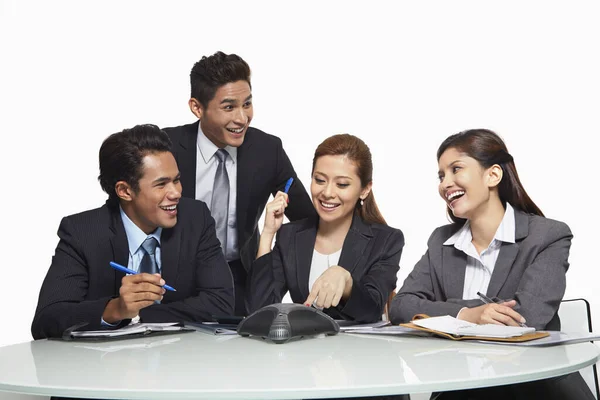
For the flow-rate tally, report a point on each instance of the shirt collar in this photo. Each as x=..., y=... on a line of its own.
x=135, y=236
x=504, y=233
x=208, y=148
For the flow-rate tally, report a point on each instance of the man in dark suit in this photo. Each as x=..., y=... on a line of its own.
x=222, y=151
x=146, y=226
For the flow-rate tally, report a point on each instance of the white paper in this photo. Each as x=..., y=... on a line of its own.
x=394, y=330
x=561, y=338
x=373, y=325
x=129, y=330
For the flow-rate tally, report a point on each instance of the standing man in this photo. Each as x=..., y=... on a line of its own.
x=146, y=226
x=230, y=166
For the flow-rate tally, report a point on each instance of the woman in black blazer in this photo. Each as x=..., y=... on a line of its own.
x=346, y=260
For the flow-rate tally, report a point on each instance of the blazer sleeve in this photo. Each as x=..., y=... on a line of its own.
x=62, y=302
x=370, y=293
x=300, y=205
x=214, y=284
x=543, y=283
x=266, y=282
x=418, y=294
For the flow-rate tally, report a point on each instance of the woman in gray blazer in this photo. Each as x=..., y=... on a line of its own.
x=499, y=244
x=346, y=260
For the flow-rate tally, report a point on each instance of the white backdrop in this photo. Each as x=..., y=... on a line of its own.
x=402, y=76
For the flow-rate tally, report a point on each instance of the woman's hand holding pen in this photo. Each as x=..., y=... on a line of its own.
x=332, y=286
x=499, y=314
x=274, y=213
x=136, y=292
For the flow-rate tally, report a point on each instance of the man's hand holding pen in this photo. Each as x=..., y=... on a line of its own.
x=137, y=291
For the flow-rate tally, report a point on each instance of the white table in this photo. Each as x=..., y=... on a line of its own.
x=199, y=366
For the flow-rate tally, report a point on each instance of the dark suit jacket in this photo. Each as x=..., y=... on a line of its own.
x=371, y=253
x=80, y=281
x=263, y=168
x=532, y=271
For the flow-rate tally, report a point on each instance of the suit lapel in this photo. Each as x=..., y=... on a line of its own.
x=508, y=254
x=170, y=242
x=454, y=263
x=304, y=247
x=356, y=242
x=118, y=242
x=186, y=159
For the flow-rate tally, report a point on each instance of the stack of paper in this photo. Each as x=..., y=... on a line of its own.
x=133, y=329
x=213, y=328
x=350, y=327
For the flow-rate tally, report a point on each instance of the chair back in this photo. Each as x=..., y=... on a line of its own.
x=575, y=316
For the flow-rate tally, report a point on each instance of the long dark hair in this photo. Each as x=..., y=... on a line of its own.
x=358, y=152
x=488, y=149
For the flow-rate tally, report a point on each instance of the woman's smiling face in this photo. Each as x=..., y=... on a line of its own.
x=464, y=183
x=336, y=188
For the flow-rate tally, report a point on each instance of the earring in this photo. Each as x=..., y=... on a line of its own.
x=362, y=202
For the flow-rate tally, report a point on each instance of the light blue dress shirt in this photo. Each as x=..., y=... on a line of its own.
x=135, y=238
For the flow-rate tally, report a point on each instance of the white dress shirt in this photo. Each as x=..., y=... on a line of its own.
x=481, y=266
x=206, y=168
x=320, y=263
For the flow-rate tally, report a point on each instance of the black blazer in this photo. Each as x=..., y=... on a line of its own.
x=80, y=281
x=371, y=253
x=263, y=168
x=532, y=271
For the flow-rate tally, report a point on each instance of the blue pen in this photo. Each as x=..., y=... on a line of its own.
x=121, y=268
x=288, y=184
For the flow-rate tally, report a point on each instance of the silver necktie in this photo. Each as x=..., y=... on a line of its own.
x=148, y=263
x=219, y=205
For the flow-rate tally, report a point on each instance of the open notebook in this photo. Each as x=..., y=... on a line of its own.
x=451, y=328
x=457, y=327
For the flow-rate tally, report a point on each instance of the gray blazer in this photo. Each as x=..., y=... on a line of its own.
x=531, y=271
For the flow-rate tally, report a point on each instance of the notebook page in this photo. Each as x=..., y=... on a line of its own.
x=496, y=331
x=444, y=323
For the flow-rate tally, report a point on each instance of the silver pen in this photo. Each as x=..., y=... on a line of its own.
x=487, y=300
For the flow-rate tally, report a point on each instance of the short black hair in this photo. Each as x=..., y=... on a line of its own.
x=212, y=72
x=121, y=156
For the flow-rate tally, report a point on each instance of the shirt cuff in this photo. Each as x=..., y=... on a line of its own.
x=461, y=310
x=108, y=325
